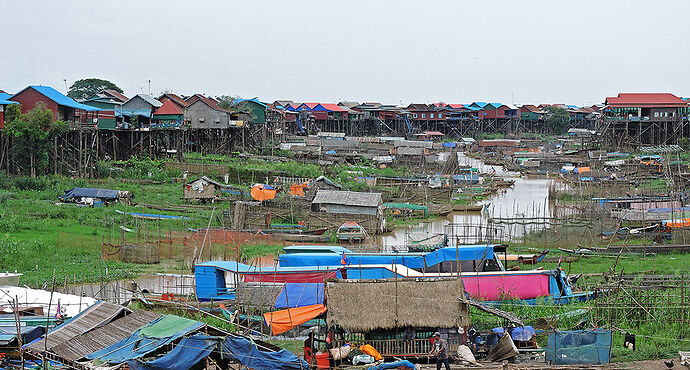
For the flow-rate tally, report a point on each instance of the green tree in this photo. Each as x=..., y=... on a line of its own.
x=227, y=102
x=557, y=119
x=32, y=134
x=87, y=87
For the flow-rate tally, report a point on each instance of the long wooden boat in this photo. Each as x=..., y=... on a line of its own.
x=527, y=259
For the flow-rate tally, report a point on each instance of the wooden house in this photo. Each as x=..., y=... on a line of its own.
x=204, y=112
x=4, y=102
x=139, y=109
x=63, y=107
x=203, y=188
x=330, y=208
x=169, y=115
x=416, y=307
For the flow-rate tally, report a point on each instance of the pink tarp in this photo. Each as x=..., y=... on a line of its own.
x=500, y=287
x=292, y=277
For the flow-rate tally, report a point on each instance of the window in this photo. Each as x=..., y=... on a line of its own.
x=431, y=115
x=423, y=115
x=414, y=115
x=656, y=114
x=440, y=115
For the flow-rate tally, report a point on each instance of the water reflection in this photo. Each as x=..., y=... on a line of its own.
x=527, y=199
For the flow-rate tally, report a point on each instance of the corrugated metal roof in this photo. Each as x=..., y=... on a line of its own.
x=93, y=317
x=646, y=99
x=349, y=198
x=58, y=98
x=149, y=99
x=168, y=108
x=99, y=338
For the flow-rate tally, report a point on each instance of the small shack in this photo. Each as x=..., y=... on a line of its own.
x=203, y=188
x=339, y=206
x=402, y=314
x=95, y=197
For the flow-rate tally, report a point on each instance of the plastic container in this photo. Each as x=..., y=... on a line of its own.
x=323, y=360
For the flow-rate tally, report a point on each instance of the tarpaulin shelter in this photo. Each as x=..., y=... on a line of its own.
x=284, y=320
x=579, y=347
x=582, y=169
x=105, y=194
x=187, y=353
x=263, y=192
x=299, y=295
x=248, y=354
x=145, y=340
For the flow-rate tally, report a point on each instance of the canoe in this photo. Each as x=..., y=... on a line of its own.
x=527, y=259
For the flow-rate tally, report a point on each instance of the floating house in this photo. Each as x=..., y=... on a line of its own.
x=139, y=109
x=330, y=208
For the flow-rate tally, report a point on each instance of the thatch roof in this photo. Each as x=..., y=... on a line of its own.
x=385, y=304
x=257, y=294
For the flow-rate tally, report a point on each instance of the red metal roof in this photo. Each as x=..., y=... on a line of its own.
x=456, y=106
x=311, y=105
x=176, y=98
x=333, y=107
x=116, y=95
x=168, y=107
x=431, y=133
x=645, y=100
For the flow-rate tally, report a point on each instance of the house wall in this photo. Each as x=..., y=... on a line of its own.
x=257, y=110
x=212, y=118
x=137, y=103
x=346, y=209
x=2, y=116
x=29, y=97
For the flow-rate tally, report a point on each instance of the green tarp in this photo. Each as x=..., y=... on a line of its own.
x=407, y=206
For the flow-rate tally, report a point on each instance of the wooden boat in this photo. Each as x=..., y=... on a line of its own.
x=351, y=232
x=527, y=259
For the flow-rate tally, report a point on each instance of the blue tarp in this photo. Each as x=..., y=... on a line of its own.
x=411, y=260
x=404, y=364
x=138, y=345
x=246, y=353
x=89, y=193
x=188, y=352
x=579, y=347
x=300, y=295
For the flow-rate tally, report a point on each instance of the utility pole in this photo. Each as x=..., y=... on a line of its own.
x=65, y=81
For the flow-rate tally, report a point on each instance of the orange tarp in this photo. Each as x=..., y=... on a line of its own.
x=297, y=190
x=284, y=320
x=683, y=222
x=260, y=193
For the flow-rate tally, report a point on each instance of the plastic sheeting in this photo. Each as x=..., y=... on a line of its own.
x=145, y=340
x=411, y=260
x=247, y=353
x=284, y=320
x=186, y=354
x=403, y=364
x=89, y=193
x=579, y=347
x=263, y=192
x=300, y=295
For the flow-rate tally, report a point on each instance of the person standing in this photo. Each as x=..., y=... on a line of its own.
x=440, y=350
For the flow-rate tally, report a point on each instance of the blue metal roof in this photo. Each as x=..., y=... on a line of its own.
x=4, y=99
x=495, y=105
x=481, y=104
x=255, y=100
x=60, y=99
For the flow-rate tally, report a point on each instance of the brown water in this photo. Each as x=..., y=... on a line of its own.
x=527, y=198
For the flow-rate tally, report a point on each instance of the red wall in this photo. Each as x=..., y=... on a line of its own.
x=28, y=99
x=2, y=119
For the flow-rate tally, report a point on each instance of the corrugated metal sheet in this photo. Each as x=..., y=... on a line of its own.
x=93, y=317
x=97, y=339
x=60, y=99
x=350, y=198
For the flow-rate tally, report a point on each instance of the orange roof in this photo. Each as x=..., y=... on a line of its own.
x=646, y=100
x=168, y=107
x=333, y=107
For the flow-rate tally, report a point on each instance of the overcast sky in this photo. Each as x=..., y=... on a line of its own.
x=397, y=52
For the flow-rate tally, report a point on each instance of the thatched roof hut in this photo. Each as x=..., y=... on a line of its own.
x=386, y=304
